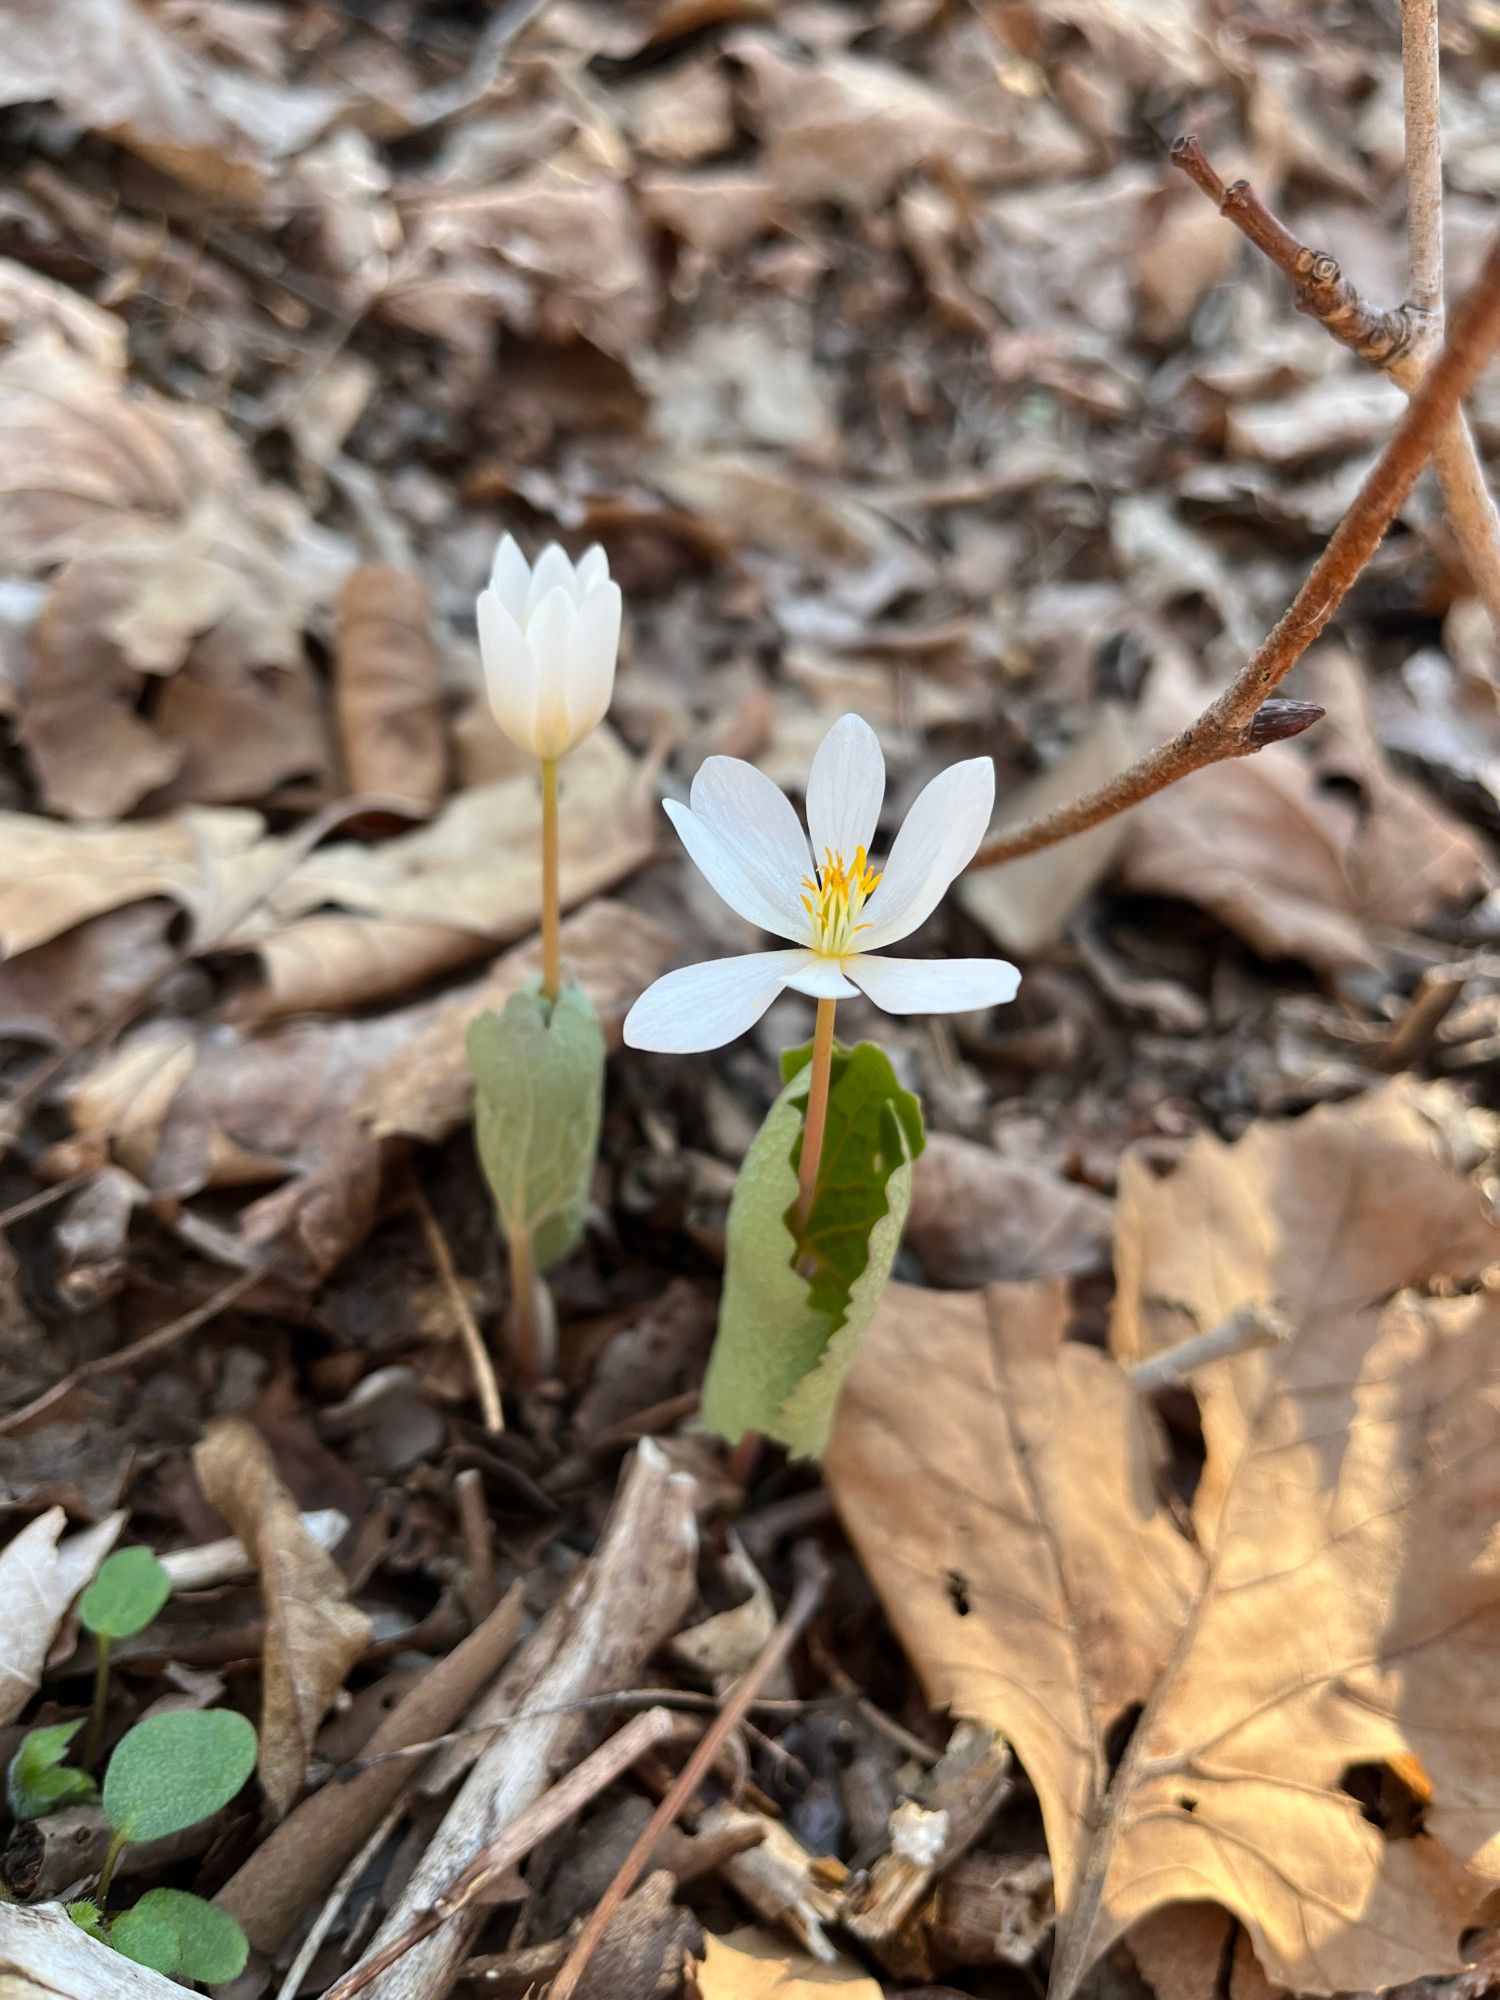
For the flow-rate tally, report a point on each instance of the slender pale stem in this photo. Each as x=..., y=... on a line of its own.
x=551, y=921
x=107, y=1872
x=95, y=1729
x=817, y=1112
x=1424, y=153
x=530, y=1335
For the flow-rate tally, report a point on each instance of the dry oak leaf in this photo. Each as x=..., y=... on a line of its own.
x=39, y=1578
x=978, y=1218
x=998, y=1486
x=313, y=1633
x=53, y=877
x=1349, y=1616
x=747, y=1964
x=1323, y=1217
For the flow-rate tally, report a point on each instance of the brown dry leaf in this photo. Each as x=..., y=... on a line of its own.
x=313, y=1104
x=386, y=676
x=747, y=1964
x=1409, y=858
x=1319, y=1216
x=313, y=1634
x=111, y=65
x=1349, y=1617
x=1028, y=903
x=54, y=877
x=1254, y=841
x=553, y=253
x=39, y=1578
x=1036, y=1587
x=354, y=923
x=978, y=1219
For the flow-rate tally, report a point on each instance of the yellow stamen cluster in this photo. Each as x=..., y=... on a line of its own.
x=835, y=898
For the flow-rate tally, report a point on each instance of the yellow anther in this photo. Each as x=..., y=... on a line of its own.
x=835, y=897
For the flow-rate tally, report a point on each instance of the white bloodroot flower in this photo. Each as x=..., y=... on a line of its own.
x=744, y=835
x=548, y=637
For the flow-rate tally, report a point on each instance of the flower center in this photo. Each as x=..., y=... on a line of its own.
x=835, y=896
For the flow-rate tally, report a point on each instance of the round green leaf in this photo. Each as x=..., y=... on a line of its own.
x=149, y=1940
x=126, y=1595
x=208, y=1944
x=172, y=1770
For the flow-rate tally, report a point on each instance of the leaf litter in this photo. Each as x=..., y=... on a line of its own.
x=898, y=371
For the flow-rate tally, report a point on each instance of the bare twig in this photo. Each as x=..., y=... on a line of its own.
x=155, y=1342
x=1401, y=340
x=806, y=1598
x=1228, y=726
x=337, y=1896
x=480, y=1365
x=1251, y=1326
x=1424, y=154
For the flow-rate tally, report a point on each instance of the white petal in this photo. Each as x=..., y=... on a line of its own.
x=941, y=834
x=510, y=577
x=704, y=1006
x=757, y=820
x=549, y=633
x=821, y=979
x=593, y=569
x=742, y=885
x=591, y=673
x=553, y=571
x=509, y=671
x=934, y=985
x=845, y=788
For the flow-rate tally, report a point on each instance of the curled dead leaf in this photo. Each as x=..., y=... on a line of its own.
x=313, y=1634
x=39, y=1578
x=386, y=684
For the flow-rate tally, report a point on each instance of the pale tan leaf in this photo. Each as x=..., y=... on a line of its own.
x=39, y=1578
x=1035, y=1580
x=1350, y=1616
x=313, y=1634
x=748, y=1964
x=1319, y=1216
x=978, y=1218
x=387, y=675
x=53, y=877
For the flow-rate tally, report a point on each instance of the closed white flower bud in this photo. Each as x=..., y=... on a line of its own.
x=549, y=637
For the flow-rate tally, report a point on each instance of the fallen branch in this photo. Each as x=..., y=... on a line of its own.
x=806, y=1598
x=1251, y=1326
x=1244, y=717
x=552, y=1811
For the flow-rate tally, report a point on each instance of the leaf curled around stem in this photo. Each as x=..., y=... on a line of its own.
x=539, y=1090
x=793, y=1311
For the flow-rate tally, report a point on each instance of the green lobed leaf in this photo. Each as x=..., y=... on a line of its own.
x=206, y=1944
x=785, y=1341
x=539, y=1095
x=173, y=1770
x=38, y=1780
x=129, y=1590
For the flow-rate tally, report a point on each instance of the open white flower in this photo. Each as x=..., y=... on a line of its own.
x=745, y=836
x=548, y=638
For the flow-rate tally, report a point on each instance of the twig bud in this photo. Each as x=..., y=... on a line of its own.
x=1277, y=719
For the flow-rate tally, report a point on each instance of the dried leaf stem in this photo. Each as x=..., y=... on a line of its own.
x=1242, y=719
x=806, y=1597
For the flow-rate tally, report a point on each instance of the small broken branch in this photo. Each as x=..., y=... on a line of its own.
x=1424, y=155
x=1252, y=1326
x=1228, y=726
x=805, y=1600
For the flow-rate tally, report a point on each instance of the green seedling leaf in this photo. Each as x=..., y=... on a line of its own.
x=128, y=1592
x=785, y=1341
x=88, y=1917
x=172, y=1770
x=38, y=1781
x=204, y=1943
x=539, y=1094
